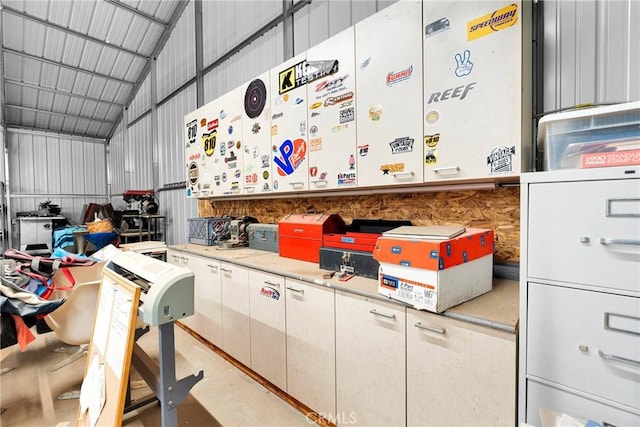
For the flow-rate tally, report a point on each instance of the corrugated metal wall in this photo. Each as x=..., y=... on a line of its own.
x=176, y=63
x=70, y=172
x=138, y=166
x=591, y=52
x=142, y=101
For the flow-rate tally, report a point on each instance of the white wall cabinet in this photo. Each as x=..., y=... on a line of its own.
x=290, y=155
x=453, y=361
x=268, y=335
x=474, y=122
x=201, y=129
x=389, y=96
x=331, y=113
x=311, y=357
x=370, y=361
x=229, y=150
x=256, y=132
x=236, y=320
x=580, y=303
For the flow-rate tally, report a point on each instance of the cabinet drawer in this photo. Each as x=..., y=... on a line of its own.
x=586, y=233
x=544, y=402
x=586, y=340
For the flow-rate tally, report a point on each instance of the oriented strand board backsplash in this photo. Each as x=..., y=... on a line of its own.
x=497, y=209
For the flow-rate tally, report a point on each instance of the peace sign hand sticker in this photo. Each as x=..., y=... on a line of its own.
x=463, y=64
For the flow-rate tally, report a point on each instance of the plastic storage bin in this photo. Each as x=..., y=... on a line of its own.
x=592, y=137
x=208, y=231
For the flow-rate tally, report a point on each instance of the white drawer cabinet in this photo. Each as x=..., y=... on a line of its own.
x=580, y=297
x=453, y=361
x=370, y=361
x=311, y=349
x=584, y=232
x=268, y=336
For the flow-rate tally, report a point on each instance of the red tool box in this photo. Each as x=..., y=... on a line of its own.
x=351, y=241
x=301, y=234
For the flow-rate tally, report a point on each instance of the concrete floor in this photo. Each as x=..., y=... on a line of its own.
x=225, y=397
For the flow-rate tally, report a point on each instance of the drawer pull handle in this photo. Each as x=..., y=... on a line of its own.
x=452, y=169
x=583, y=348
x=300, y=291
x=271, y=283
x=386, y=316
x=608, y=241
x=441, y=331
x=619, y=359
x=403, y=175
x=584, y=239
x=226, y=270
x=212, y=266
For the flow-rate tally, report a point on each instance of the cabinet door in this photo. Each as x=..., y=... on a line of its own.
x=472, y=90
x=229, y=151
x=311, y=357
x=331, y=112
x=586, y=233
x=268, y=340
x=459, y=374
x=290, y=156
x=201, y=136
x=236, y=321
x=256, y=132
x=207, y=320
x=389, y=95
x=370, y=361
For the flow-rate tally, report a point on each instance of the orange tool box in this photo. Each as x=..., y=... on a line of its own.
x=433, y=254
x=351, y=241
x=301, y=234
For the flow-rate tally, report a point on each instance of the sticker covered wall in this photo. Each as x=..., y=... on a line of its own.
x=229, y=152
x=473, y=90
x=201, y=141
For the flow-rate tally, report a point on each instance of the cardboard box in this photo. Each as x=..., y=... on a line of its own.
x=75, y=276
x=436, y=290
x=433, y=254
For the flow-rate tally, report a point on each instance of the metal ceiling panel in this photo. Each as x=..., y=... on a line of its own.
x=75, y=50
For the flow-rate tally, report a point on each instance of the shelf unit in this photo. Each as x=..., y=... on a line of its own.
x=147, y=230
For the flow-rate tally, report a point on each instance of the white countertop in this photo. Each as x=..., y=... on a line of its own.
x=498, y=308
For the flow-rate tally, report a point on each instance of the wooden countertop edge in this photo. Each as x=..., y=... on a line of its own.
x=249, y=261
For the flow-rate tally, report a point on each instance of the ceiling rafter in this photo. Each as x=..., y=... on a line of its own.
x=55, y=113
x=138, y=12
x=63, y=65
x=62, y=92
x=68, y=30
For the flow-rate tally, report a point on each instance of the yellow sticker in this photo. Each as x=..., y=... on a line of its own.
x=492, y=22
x=209, y=142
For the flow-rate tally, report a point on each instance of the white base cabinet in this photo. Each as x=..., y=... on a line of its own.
x=451, y=361
x=236, y=321
x=370, y=361
x=311, y=350
x=268, y=336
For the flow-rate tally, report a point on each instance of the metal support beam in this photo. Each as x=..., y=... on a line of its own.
x=287, y=29
x=199, y=54
x=60, y=92
x=71, y=116
x=68, y=30
x=67, y=66
x=138, y=12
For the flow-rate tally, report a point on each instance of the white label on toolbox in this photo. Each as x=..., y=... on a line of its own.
x=420, y=294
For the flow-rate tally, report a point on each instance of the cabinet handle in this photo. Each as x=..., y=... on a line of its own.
x=300, y=291
x=624, y=360
x=584, y=239
x=184, y=258
x=403, y=175
x=441, y=331
x=452, y=169
x=386, y=316
x=319, y=182
x=249, y=189
x=608, y=241
x=272, y=284
x=212, y=266
x=297, y=184
x=226, y=270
